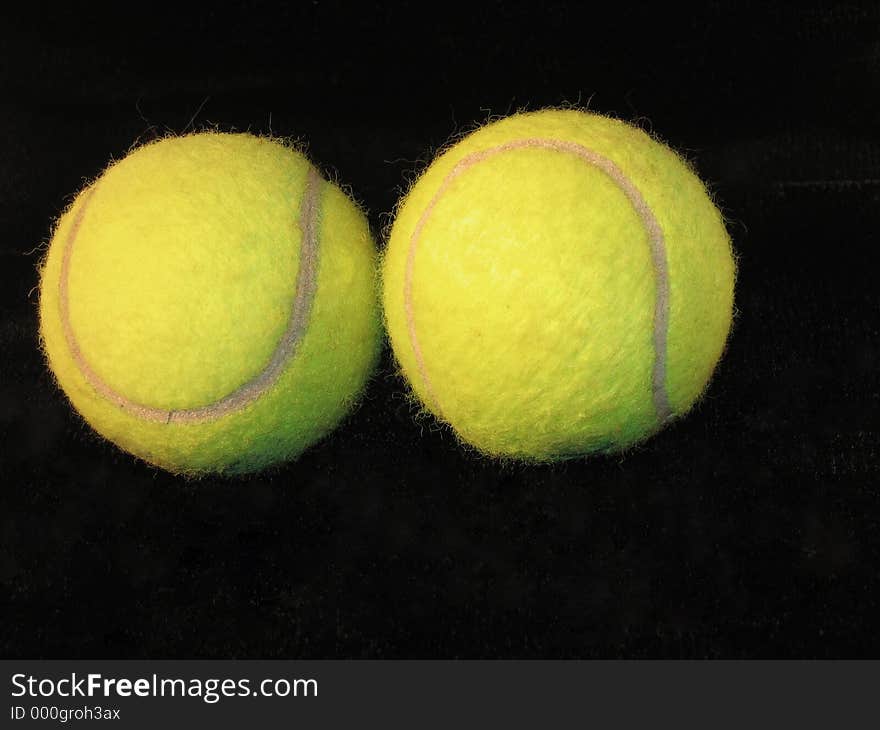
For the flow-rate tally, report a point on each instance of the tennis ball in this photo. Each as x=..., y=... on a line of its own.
x=557, y=283
x=209, y=303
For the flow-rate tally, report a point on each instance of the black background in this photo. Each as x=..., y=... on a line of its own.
x=749, y=529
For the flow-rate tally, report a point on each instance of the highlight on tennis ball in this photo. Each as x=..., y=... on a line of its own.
x=557, y=283
x=209, y=303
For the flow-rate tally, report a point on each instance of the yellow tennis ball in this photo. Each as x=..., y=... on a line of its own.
x=209, y=303
x=557, y=283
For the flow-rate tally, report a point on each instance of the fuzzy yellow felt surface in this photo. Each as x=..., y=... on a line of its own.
x=519, y=288
x=182, y=265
